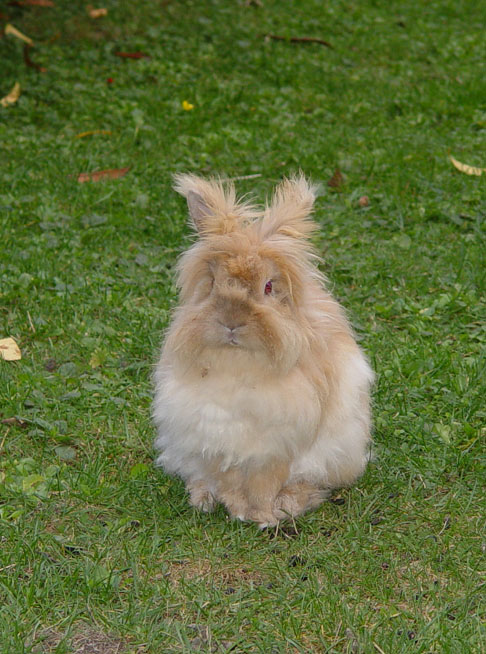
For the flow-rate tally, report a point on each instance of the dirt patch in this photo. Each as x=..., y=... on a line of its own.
x=85, y=640
x=219, y=575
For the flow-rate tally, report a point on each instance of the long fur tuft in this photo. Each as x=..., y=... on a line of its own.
x=289, y=213
x=213, y=206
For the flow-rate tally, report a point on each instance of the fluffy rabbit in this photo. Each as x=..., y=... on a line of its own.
x=262, y=394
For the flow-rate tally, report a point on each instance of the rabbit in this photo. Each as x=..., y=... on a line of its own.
x=262, y=395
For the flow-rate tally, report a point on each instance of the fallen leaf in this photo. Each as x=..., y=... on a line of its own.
x=29, y=62
x=187, y=106
x=364, y=201
x=464, y=168
x=10, y=29
x=337, y=179
x=132, y=55
x=12, y=97
x=95, y=360
x=92, y=132
x=98, y=175
x=9, y=350
x=97, y=13
x=31, y=3
x=31, y=481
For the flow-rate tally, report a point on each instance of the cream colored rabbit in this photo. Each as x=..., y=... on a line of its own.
x=262, y=394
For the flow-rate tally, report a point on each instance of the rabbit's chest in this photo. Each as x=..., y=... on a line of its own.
x=225, y=417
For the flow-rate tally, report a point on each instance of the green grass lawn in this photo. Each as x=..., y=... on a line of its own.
x=99, y=551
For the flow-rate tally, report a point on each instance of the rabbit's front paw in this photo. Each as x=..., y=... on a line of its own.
x=239, y=508
x=297, y=498
x=264, y=518
x=200, y=496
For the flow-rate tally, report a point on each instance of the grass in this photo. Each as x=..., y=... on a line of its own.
x=99, y=551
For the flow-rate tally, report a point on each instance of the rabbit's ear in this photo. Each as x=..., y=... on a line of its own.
x=213, y=207
x=290, y=211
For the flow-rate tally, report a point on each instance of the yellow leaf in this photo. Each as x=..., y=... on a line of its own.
x=464, y=168
x=10, y=29
x=187, y=106
x=95, y=360
x=9, y=350
x=31, y=481
x=92, y=132
x=97, y=13
x=12, y=97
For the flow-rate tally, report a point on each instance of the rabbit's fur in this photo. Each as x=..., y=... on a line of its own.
x=262, y=394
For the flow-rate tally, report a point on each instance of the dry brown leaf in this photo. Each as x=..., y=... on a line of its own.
x=464, y=168
x=10, y=29
x=9, y=350
x=91, y=132
x=336, y=180
x=364, y=201
x=113, y=173
x=31, y=3
x=132, y=55
x=97, y=13
x=12, y=97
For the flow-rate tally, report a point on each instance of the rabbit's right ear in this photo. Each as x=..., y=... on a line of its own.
x=213, y=208
x=290, y=211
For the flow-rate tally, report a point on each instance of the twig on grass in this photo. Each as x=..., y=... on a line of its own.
x=7, y=567
x=298, y=39
x=240, y=177
x=4, y=438
x=30, y=322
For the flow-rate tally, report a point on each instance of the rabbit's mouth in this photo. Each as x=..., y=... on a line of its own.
x=230, y=334
x=233, y=341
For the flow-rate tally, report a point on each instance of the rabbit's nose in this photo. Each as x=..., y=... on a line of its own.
x=231, y=325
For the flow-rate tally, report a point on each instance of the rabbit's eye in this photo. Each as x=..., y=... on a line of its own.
x=268, y=287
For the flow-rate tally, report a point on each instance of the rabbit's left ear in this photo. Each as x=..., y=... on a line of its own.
x=290, y=211
x=213, y=208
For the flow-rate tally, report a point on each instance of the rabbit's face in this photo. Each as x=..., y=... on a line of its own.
x=243, y=299
x=237, y=289
x=243, y=282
